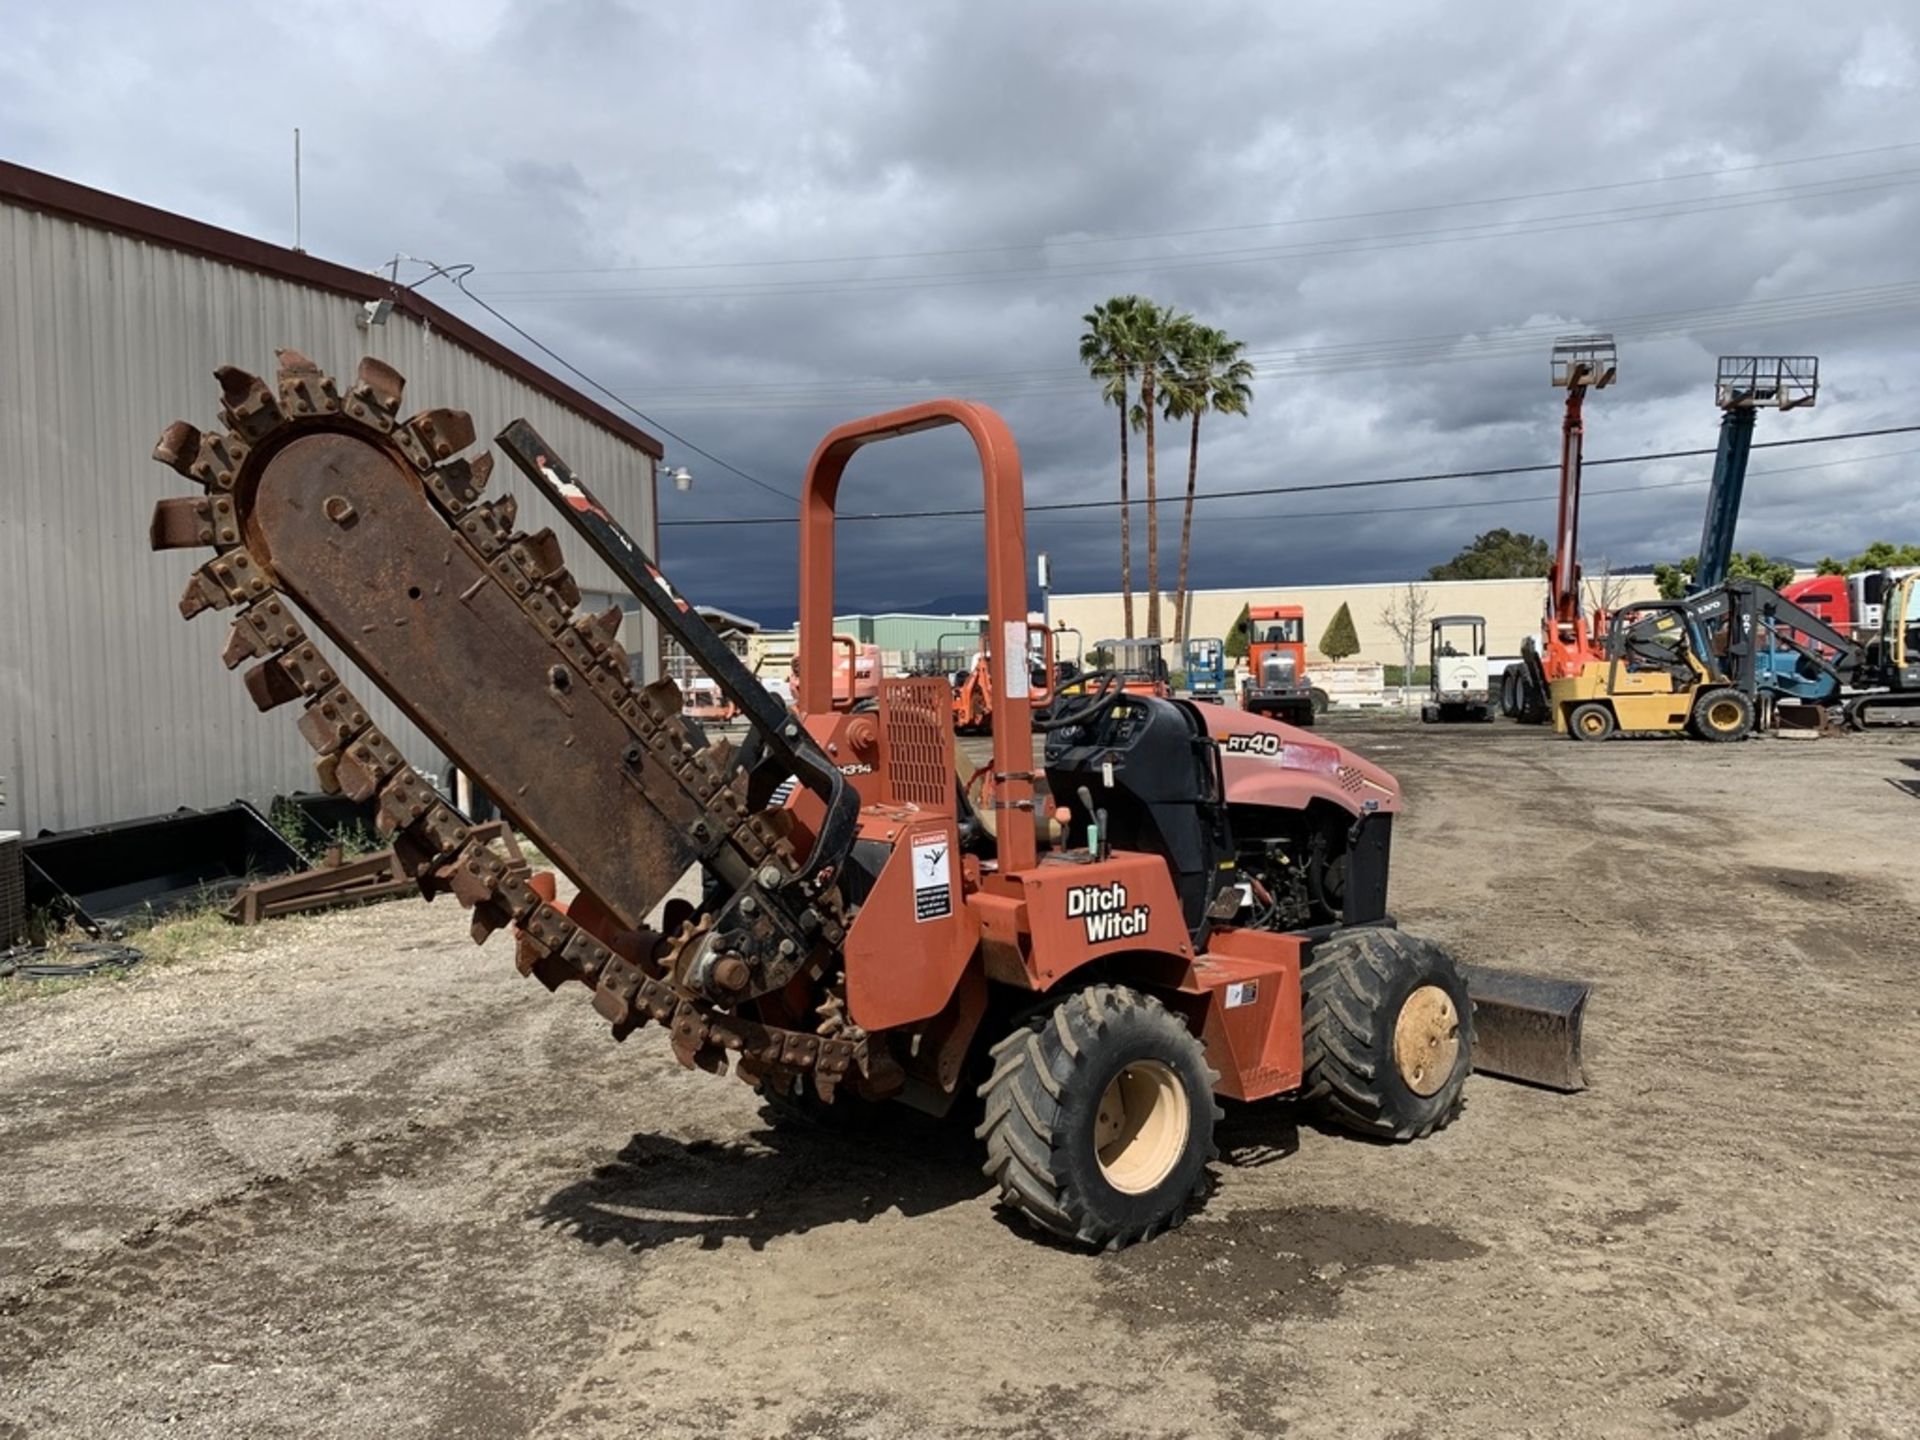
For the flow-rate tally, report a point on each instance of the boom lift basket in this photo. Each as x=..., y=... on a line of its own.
x=1751, y=382
x=1588, y=360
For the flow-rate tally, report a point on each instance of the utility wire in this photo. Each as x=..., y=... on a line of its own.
x=1343, y=357
x=1179, y=497
x=460, y=283
x=1229, y=229
x=1350, y=245
x=1585, y=494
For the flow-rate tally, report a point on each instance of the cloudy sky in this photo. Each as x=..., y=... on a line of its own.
x=753, y=221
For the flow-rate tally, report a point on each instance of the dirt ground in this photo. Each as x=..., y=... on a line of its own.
x=365, y=1180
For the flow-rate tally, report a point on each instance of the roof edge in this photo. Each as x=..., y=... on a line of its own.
x=36, y=190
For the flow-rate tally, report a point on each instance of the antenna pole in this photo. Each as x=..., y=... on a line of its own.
x=296, y=192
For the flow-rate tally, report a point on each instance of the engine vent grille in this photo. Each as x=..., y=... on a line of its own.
x=13, y=890
x=1351, y=780
x=916, y=728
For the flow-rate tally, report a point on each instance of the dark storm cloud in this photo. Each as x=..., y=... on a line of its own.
x=536, y=141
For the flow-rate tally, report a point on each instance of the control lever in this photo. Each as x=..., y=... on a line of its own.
x=1096, y=826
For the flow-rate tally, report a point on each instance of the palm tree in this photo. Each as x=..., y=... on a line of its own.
x=1207, y=374
x=1109, y=348
x=1156, y=329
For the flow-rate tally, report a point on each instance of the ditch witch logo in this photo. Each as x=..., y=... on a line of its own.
x=1105, y=910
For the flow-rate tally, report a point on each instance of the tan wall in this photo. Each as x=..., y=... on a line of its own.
x=1512, y=609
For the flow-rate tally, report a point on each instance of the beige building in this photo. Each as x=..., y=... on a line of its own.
x=1512, y=609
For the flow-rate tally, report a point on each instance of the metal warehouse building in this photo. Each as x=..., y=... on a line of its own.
x=113, y=317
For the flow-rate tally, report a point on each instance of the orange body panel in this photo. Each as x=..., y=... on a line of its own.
x=1080, y=912
x=1250, y=981
x=913, y=938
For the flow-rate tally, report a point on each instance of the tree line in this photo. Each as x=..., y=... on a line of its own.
x=1153, y=362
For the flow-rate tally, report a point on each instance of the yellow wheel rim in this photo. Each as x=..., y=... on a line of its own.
x=1593, y=724
x=1426, y=1039
x=1723, y=715
x=1141, y=1128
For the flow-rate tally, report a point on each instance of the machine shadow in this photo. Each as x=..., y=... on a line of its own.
x=782, y=1179
x=1910, y=787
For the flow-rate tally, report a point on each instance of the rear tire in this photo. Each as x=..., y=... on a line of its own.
x=1722, y=715
x=1428, y=714
x=1320, y=699
x=1591, y=721
x=1099, y=1118
x=1386, y=1034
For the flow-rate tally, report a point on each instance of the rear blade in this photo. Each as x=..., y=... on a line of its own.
x=1527, y=1027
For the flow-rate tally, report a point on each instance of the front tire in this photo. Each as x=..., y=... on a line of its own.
x=1386, y=1034
x=1722, y=715
x=1099, y=1118
x=1592, y=721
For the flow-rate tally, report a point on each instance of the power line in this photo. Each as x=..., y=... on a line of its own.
x=1226, y=229
x=1585, y=494
x=1340, y=358
x=1503, y=229
x=459, y=281
x=1178, y=497
x=1876, y=295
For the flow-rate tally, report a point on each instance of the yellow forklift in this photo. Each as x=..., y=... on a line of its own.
x=1659, y=676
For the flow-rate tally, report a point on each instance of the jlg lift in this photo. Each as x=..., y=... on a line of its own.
x=1183, y=903
x=1580, y=363
x=1743, y=386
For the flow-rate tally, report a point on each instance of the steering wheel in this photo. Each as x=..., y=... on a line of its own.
x=1101, y=689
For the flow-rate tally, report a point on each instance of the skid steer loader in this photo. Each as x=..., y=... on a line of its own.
x=1183, y=903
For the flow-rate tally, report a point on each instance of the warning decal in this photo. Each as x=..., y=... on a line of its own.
x=932, y=877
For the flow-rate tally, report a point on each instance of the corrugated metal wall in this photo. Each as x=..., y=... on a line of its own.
x=110, y=707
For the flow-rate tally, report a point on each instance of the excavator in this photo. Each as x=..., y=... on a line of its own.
x=1567, y=642
x=1180, y=905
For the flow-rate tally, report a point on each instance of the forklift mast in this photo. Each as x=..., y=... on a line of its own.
x=1744, y=384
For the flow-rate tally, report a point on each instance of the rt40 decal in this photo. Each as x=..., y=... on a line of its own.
x=1253, y=743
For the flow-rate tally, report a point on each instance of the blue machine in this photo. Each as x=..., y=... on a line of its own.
x=1206, y=667
x=1744, y=385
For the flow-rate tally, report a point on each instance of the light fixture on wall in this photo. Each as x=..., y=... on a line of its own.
x=682, y=478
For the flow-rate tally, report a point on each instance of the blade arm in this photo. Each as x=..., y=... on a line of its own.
x=780, y=731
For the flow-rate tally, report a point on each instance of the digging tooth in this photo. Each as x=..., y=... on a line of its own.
x=240, y=646
x=270, y=685
x=458, y=483
x=304, y=388
x=181, y=523
x=373, y=399
x=218, y=461
x=444, y=432
x=380, y=384
x=247, y=404
x=201, y=594
x=178, y=447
